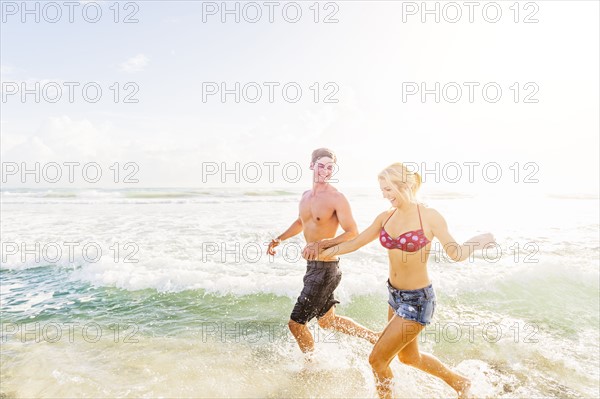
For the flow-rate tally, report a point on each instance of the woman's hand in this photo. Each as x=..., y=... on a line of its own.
x=456, y=252
x=313, y=250
x=482, y=240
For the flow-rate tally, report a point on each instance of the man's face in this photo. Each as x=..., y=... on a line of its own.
x=323, y=169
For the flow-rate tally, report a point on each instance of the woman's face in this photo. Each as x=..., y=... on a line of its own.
x=397, y=194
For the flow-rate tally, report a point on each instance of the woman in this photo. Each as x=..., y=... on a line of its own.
x=406, y=231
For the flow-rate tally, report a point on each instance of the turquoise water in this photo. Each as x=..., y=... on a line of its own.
x=184, y=321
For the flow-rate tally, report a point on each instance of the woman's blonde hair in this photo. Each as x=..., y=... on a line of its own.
x=398, y=173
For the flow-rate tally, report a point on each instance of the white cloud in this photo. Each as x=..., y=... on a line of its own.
x=58, y=138
x=162, y=160
x=135, y=64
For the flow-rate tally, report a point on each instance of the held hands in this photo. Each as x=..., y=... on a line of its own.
x=313, y=250
x=310, y=252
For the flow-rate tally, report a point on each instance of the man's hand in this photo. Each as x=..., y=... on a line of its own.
x=311, y=251
x=314, y=249
x=274, y=242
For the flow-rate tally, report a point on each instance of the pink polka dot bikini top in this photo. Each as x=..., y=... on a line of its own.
x=411, y=241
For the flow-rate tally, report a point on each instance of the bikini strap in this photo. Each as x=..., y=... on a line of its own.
x=386, y=220
x=420, y=221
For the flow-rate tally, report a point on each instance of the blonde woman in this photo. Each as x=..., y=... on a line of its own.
x=406, y=232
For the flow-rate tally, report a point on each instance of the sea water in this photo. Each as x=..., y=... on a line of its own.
x=169, y=293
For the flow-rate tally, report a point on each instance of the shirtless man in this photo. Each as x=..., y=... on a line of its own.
x=322, y=210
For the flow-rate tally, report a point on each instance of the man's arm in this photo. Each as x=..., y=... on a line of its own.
x=346, y=220
x=294, y=229
x=370, y=234
x=347, y=223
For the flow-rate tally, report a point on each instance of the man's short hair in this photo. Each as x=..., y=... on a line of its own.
x=323, y=152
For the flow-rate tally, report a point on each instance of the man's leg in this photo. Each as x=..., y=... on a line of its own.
x=347, y=326
x=303, y=336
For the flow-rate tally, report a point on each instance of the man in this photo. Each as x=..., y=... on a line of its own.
x=322, y=210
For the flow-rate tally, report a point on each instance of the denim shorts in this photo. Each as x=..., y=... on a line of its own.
x=416, y=305
x=316, y=298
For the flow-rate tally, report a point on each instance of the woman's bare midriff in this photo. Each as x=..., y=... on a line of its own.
x=408, y=270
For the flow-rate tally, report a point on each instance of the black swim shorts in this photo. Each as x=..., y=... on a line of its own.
x=316, y=298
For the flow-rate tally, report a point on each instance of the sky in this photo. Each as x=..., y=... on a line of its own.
x=361, y=68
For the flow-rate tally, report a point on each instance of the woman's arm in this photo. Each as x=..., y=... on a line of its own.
x=368, y=235
x=347, y=223
x=456, y=252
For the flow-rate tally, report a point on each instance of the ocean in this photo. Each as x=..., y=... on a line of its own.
x=169, y=293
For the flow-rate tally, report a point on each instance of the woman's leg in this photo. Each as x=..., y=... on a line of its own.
x=396, y=335
x=411, y=356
